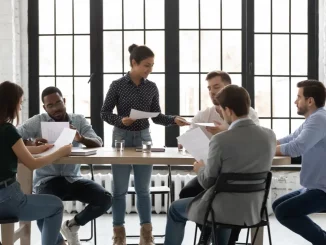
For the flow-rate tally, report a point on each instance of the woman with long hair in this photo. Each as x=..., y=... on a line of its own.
x=13, y=202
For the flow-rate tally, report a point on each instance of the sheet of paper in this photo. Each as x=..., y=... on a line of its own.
x=66, y=137
x=196, y=143
x=52, y=130
x=205, y=124
x=135, y=114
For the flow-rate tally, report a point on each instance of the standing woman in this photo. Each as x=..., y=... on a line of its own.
x=13, y=202
x=134, y=91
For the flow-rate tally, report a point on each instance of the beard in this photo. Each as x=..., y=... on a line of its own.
x=302, y=111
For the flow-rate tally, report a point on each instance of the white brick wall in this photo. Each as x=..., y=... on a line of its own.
x=14, y=45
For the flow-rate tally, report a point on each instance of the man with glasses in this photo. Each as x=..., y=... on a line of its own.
x=65, y=180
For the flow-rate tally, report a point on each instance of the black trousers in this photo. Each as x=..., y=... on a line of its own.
x=87, y=191
x=192, y=189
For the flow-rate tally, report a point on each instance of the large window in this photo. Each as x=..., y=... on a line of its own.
x=266, y=45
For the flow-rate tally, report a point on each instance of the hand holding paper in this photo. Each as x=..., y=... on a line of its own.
x=65, y=139
x=196, y=143
x=52, y=130
x=135, y=114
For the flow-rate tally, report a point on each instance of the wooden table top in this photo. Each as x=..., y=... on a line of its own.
x=171, y=156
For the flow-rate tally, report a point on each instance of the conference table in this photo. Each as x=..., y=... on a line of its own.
x=171, y=157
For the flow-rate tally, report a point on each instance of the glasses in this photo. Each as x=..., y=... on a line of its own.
x=59, y=104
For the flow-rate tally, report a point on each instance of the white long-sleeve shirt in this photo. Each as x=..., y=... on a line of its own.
x=210, y=115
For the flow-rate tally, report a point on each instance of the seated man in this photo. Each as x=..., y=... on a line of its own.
x=216, y=80
x=65, y=181
x=308, y=141
x=243, y=148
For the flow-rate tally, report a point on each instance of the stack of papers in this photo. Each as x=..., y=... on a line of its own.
x=196, y=143
x=205, y=124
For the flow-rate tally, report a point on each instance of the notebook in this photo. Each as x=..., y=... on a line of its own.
x=82, y=152
x=153, y=149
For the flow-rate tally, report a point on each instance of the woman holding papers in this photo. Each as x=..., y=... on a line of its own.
x=13, y=202
x=134, y=91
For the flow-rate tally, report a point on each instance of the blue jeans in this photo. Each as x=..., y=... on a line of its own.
x=83, y=190
x=292, y=209
x=177, y=219
x=142, y=179
x=14, y=203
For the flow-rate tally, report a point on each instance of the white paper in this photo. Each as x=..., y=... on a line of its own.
x=205, y=124
x=135, y=114
x=52, y=130
x=66, y=137
x=196, y=143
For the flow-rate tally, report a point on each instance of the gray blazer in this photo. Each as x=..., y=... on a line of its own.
x=245, y=148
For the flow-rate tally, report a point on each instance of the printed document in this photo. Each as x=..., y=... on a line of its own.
x=196, y=143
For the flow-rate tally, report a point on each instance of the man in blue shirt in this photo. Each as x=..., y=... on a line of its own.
x=64, y=180
x=308, y=141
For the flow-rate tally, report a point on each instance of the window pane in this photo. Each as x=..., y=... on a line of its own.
x=112, y=51
x=64, y=55
x=64, y=16
x=262, y=16
x=262, y=54
x=210, y=12
x=82, y=96
x=232, y=14
x=188, y=14
x=299, y=17
x=159, y=80
x=266, y=123
x=112, y=14
x=46, y=17
x=107, y=135
x=299, y=55
x=154, y=14
x=65, y=85
x=189, y=94
x=236, y=79
x=130, y=37
x=294, y=93
x=205, y=99
x=189, y=53
x=157, y=134
x=281, y=15
x=46, y=55
x=155, y=41
x=281, y=97
x=281, y=127
x=81, y=16
x=280, y=54
x=231, y=51
x=108, y=79
x=82, y=53
x=132, y=20
x=296, y=123
x=263, y=96
x=44, y=83
x=210, y=46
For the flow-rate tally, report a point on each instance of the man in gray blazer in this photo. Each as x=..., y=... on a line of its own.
x=243, y=148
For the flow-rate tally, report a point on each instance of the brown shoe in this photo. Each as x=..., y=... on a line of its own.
x=146, y=237
x=119, y=235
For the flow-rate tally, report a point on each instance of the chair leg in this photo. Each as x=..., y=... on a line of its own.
x=95, y=241
x=247, y=236
x=257, y=229
x=268, y=228
x=195, y=238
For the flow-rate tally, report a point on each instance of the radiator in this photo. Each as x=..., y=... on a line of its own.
x=282, y=183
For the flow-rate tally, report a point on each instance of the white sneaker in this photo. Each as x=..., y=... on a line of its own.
x=70, y=233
